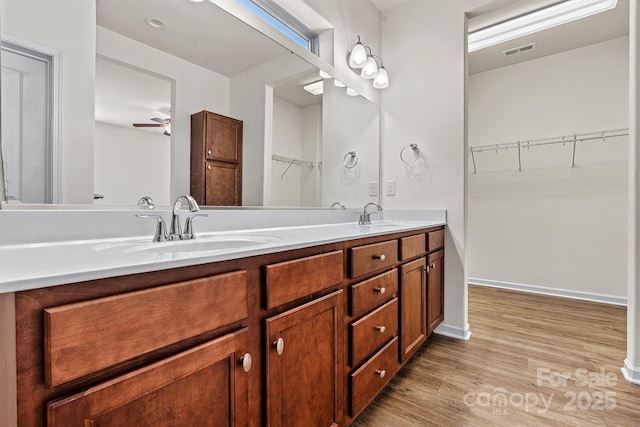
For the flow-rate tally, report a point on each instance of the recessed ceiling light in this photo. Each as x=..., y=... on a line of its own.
x=315, y=88
x=155, y=22
x=542, y=19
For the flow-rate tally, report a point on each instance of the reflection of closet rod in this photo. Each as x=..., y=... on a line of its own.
x=573, y=138
x=291, y=162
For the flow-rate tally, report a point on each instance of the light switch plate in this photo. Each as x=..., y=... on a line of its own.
x=373, y=188
x=390, y=187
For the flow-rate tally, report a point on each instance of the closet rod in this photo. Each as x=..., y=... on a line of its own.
x=291, y=162
x=564, y=139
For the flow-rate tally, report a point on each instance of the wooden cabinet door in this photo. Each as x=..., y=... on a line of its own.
x=203, y=386
x=304, y=365
x=413, y=307
x=223, y=138
x=435, y=290
x=223, y=184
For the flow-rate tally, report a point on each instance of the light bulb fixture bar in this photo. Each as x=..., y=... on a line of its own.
x=362, y=61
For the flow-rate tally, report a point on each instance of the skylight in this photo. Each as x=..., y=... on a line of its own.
x=282, y=21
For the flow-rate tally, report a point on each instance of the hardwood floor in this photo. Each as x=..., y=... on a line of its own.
x=532, y=360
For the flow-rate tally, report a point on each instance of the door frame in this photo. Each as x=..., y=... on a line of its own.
x=53, y=58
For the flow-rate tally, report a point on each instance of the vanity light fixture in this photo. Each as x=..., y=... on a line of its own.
x=324, y=74
x=366, y=65
x=542, y=19
x=352, y=92
x=315, y=88
x=338, y=83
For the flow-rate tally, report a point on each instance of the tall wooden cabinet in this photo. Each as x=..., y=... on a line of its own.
x=216, y=159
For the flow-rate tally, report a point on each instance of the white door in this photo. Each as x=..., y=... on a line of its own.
x=26, y=136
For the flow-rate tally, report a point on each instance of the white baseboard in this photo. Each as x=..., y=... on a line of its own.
x=563, y=293
x=453, y=331
x=631, y=373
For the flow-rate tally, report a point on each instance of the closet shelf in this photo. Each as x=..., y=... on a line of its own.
x=291, y=162
x=563, y=139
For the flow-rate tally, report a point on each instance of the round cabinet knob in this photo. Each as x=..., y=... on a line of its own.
x=246, y=362
x=380, y=290
x=433, y=266
x=380, y=329
x=381, y=373
x=209, y=152
x=380, y=257
x=279, y=346
x=208, y=167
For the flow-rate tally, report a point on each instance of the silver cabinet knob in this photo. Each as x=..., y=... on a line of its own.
x=380, y=329
x=209, y=152
x=381, y=373
x=433, y=266
x=208, y=167
x=380, y=290
x=246, y=362
x=279, y=346
x=380, y=257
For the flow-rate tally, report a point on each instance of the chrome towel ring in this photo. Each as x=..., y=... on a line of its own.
x=350, y=160
x=406, y=157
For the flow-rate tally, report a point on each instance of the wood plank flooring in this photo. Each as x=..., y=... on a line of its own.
x=561, y=356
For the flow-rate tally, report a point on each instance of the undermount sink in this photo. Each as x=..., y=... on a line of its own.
x=201, y=244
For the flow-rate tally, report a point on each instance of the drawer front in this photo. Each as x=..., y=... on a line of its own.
x=370, y=333
x=291, y=280
x=412, y=246
x=86, y=337
x=435, y=239
x=369, y=258
x=369, y=294
x=366, y=382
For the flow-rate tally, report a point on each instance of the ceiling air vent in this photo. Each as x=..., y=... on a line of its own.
x=518, y=50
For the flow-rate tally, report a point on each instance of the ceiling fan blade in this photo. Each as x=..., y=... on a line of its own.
x=167, y=133
x=147, y=125
x=158, y=120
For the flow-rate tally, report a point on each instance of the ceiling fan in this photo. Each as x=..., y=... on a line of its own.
x=160, y=123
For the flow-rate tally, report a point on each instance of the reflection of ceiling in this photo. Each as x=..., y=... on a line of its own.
x=125, y=96
x=293, y=91
x=201, y=33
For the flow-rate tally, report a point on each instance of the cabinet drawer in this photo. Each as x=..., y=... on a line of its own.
x=204, y=386
x=291, y=280
x=366, y=382
x=369, y=258
x=86, y=337
x=372, y=331
x=412, y=246
x=435, y=240
x=367, y=295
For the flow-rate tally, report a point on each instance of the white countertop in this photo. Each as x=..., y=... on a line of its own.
x=36, y=264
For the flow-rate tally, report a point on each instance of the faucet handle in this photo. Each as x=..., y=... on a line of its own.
x=161, y=232
x=188, y=226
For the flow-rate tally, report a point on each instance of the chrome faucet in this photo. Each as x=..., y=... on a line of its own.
x=365, y=217
x=146, y=202
x=175, y=232
x=337, y=204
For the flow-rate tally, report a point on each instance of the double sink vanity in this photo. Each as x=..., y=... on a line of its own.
x=273, y=317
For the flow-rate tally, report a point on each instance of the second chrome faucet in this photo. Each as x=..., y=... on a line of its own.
x=176, y=231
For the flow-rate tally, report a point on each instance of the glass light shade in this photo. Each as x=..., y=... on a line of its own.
x=358, y=56
x=369, y=69
x=324, y=74
x=338, y=83
x=381, y=80
x=351, y=92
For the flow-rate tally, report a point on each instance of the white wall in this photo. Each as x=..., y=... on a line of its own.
x=423, y=46
x=131, y=163
x=47, y=23
x=350, y=123
x=194, y=89
x=551, y=225
x=311, y=179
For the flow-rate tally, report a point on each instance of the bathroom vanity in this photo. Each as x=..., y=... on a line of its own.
x=304, y=327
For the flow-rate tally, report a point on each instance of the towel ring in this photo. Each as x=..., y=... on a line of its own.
x=350, y=160
x=416, y=153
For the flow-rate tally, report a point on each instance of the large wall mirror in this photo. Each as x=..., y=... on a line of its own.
x=116, y=83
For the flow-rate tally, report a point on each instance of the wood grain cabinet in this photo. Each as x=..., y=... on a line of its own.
x=413, y=307
x=216, y=159
x=303, y=358
x=435, y=290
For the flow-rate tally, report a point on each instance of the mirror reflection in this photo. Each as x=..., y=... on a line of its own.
x=155, y=68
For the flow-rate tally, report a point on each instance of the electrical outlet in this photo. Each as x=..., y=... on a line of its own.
x=390, y=187
x=373, y=188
